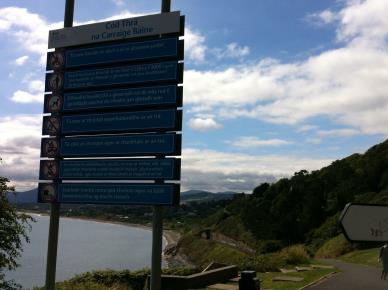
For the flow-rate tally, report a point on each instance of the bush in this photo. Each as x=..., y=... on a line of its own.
x=262, y=263
x=294, y=255
x=334, y=248
x=269, y=246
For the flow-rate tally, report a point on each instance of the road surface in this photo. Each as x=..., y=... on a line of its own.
x=352, y=277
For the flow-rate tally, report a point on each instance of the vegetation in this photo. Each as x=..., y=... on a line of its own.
x=13, y=230
x=305, y=208
x=114, y=280
x=365, y=257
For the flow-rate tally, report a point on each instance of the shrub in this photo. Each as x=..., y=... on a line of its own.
x=294, y=255
x=335, y=247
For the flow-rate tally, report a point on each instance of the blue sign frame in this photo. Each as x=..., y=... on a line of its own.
x=114, y=99
x=110, y=193
x=165, y=48
x=161, y=72
x=111, y=169
x=168, y=144
x=138, y=121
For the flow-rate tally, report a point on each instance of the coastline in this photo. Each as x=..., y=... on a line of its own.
x=170, y=237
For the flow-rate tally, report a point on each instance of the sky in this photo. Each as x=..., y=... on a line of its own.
x=271, y=87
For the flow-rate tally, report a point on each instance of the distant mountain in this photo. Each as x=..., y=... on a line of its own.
x=29, y=196
x=203, y=196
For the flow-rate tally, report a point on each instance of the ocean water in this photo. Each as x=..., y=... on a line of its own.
x=83, y=246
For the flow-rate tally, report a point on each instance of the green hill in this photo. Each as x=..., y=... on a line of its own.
x=304, y=208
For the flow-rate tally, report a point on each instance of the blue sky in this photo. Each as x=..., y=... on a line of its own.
x=271, y=86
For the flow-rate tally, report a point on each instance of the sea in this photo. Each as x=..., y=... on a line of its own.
x=83, y=245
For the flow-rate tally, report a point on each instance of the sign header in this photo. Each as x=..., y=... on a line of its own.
x=365, y=222
x=165, y=23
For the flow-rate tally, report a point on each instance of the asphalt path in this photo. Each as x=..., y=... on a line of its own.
x=352, y=277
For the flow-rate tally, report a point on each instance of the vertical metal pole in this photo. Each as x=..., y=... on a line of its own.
x=52, y=247
x=55, y=207
x=157, y=241
x=157, y=224
x=166, y=6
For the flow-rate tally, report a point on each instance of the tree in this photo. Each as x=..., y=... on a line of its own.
x=13, y=231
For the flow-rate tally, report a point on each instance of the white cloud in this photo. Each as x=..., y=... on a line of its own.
x=348, y=85
x=30, y=30
x=195, y=48
x=204, y=124
x=364, y=23
x=232, y=50
x=220, y=171
x=20, y=148
x=119, y=3
x=322, y=18
x=338, y=133
x=36, y=86
x=250, y=142
x=26, y=97
x=21, y=60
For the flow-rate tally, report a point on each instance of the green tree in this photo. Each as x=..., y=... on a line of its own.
x=13, y=231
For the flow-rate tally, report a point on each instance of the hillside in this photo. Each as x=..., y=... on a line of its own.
x=304, y=208
x=23, y=197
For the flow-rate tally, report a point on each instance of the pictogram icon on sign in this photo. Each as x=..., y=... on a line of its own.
x=56, y=82
x=50, y=148
x=52, y=125
x=47, y=193
x=54, y=103
x=49, y=170
x=56, y=60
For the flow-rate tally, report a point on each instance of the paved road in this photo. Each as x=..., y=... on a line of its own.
x=352, y=277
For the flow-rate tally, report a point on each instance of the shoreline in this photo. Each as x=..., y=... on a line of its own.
x=170, y=236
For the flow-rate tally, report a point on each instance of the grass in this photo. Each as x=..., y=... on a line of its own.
x=365, y=257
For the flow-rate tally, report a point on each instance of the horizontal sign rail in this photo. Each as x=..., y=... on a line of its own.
x=111, y=169
x=169, y=71
x=144, y=26
x=110, y=193
x=113, y=145
x=131, y=98
x=125, y=122
x=115, y=53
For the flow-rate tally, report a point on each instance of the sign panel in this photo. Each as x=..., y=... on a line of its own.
x=114, y=53
x=110, y=193
x=156, y=120
x=144, y=26
x=114, y=145
x=365, y=222
x=160, y=96
x=124, y=75
x=111, y=169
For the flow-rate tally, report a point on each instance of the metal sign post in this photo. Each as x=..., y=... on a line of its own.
x=157, y=224
x=51, y=264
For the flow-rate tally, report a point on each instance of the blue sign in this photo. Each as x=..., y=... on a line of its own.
x=110, y=193
x=111, y=169
x=114, y=53
x=157, y=120
x=170, y=95
x=123, y=75
x=115, y=145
